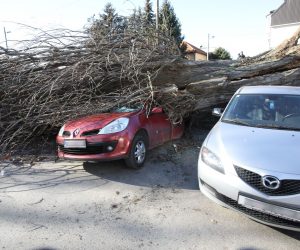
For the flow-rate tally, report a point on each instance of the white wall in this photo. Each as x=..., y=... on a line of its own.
x=277, y=34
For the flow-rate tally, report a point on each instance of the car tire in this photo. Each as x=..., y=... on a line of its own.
x=138, y=151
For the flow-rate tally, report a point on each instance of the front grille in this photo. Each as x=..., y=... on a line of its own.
x=90, y=149
x=90, y=133
x=287, y=187
x=258, y=215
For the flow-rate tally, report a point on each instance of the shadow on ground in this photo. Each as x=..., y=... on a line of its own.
x=173, y=165
x=292, y=234
x=168, y=166
x=70, y=178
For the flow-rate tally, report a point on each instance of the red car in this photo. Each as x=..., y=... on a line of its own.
x=126, y=133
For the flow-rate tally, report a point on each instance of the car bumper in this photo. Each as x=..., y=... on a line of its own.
x=232, y=192
x=114, y=149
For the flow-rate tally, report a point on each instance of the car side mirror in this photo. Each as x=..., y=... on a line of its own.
x=217, y=112
x=157, y=110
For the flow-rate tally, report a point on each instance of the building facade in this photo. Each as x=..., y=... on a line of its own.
x=283, y=22
x=193, y=53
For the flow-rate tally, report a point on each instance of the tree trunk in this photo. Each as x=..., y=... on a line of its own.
x=206, y=84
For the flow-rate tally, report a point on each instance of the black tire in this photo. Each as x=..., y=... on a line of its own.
x=138, y=151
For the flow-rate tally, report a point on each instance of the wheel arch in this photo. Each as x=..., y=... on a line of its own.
x=131, y=161
x=144, y=132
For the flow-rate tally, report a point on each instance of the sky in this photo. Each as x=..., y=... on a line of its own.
x=236, y=25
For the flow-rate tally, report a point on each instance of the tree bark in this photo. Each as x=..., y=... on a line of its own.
x=214, y=82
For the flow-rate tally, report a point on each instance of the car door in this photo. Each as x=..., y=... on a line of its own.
x=160, y=127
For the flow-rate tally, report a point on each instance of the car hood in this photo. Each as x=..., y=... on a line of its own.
x=94, y=121
x=267, y=149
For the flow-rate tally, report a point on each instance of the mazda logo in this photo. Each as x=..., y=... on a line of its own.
x=271, y=182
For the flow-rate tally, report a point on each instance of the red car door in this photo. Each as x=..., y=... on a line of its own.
x=160, y=127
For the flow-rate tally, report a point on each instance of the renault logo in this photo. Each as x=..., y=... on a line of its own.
x=271, y=182
x=76, y=132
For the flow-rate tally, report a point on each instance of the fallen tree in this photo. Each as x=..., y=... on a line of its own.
x=209, y=83
x=63, y=74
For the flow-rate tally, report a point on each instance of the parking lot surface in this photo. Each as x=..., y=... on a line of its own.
x=86, y=205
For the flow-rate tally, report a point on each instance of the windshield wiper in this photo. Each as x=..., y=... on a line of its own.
x=236, y=121
x=274, y=126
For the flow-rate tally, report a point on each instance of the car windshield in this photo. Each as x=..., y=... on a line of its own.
x=265, y=111
x=128, y=108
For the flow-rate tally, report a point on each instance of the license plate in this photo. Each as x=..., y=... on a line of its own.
x=74, y=143
x=275, y=210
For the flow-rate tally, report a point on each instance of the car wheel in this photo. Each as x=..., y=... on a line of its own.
x=138, y=152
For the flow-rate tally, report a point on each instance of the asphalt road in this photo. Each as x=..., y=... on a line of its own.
x=79, y=205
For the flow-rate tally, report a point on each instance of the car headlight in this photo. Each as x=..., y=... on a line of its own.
x=61, y=131
x=117, y=125
x=211, y=159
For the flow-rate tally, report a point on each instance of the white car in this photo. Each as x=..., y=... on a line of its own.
x=250, y=160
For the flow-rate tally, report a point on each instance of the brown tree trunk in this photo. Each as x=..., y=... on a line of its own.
x=188, y=86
